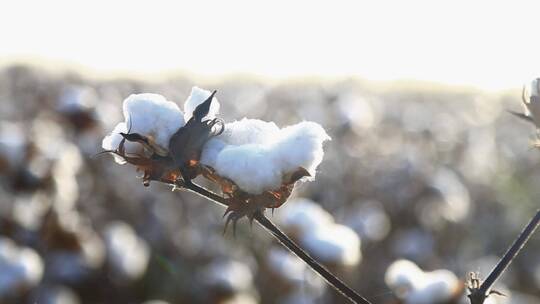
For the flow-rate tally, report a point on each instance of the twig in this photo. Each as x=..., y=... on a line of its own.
x=262, y=220
x=480, y=293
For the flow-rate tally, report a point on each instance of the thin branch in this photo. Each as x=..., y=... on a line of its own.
x=330, y=278
x=479, y=294
x=262, y=220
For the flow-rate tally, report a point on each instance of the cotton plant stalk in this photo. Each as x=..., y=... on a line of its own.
x=255, y=163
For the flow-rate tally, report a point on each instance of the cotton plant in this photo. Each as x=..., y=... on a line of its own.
x=530, y=97
x=255, y=163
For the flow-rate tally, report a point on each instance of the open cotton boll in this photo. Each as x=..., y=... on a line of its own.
x=300, y=145
x=197, y=97
x=256, y=155
x=250, y=167
x=334, y=244
x=237, y=133
x=415, y=286
x=150, y=115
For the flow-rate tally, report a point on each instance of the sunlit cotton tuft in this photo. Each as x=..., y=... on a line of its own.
x=256, y=155
x=150, y=115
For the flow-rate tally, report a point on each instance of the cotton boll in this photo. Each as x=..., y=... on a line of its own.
x=256, y=155
x=56, y=295
x=304, y=216
x=250, y=167
x=232, y=276
x=533, y=104
x=334, y=244
x=12, y=145
x=287, y=265
x=415, y=286
x=300, y=145
x=197, y=97
x=153, y=116
x=77, y=99
x=369, y=220
x=112, y=141
x=455, y=195
x=237, y=133
x=150, y=115
x=20, y=267
x=127, y=253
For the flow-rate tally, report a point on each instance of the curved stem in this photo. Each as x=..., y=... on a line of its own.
x=262, y=220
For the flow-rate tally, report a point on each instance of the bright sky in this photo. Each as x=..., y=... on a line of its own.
x=491, y=44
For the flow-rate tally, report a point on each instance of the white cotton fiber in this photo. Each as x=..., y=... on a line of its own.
x=250, y=166
x=147, y=114
x=197, y=97
x=256, y=154
x=153, y=116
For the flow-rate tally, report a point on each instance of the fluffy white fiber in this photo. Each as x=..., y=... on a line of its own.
x=257, y=154
x=415, y=286
x=254, y=154
x=150, y=115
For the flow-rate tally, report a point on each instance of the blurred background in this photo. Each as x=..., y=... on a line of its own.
x=425, y=163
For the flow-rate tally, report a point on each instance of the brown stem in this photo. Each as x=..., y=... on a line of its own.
x=262, y=220
x=478, y=295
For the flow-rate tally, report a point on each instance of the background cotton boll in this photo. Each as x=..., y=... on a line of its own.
x=334, y=244
x=303, y=215
x=12, y=145
x=231, y=276
x=197, y=97
x=20, y=267
x=127, y=253
x=415, y=286
x=250, y=167
x=153, y=116
x=287, y=265
x=56, y=295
